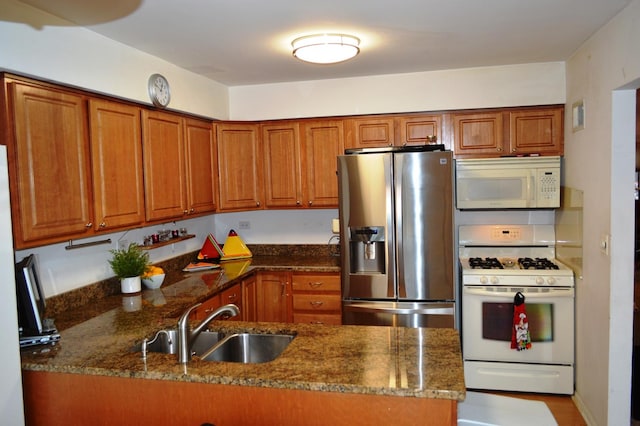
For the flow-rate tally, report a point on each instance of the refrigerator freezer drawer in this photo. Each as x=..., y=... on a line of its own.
x=404, y=314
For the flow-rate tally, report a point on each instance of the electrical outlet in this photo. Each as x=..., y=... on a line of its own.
x=244, y=224
x=122, y=244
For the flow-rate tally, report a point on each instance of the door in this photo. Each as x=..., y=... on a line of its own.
x=240, y=166
x=323, y=142
x=424, y=225
x=366, y=218
x=116, y=154
x=53, y=166
x=201, y=166
x=488, y=320
x=403, y=314
x=164, y=177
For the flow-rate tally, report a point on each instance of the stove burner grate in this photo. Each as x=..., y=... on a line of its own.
x=486, y=263
x=540, y=263
x=537, y=263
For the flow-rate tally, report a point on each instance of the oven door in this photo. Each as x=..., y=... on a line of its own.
x=487, y=321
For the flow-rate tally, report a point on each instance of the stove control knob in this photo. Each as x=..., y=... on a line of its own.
x=539, y=280
x=494, y=280
x=551, y=280
x=483, y=280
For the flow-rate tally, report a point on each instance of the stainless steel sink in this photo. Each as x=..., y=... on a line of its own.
x=166, y=342
x=248, y=348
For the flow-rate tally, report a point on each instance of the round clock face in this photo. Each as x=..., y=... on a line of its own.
x=159, y=90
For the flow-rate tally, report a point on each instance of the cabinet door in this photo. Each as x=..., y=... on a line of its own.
x=273, y=296
x=240, y=167
x=537, y=131
x=372, y=132
x=164, y=177
x=282, y=165
x=201, y=166
x=206, y=308
x=323, y=142
x=480, y=134
x=420, y=130
x=116, y=154
x=232, y=295
x=249, y=298
x=52, y=166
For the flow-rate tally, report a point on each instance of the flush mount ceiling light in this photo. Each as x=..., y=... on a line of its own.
x=326, y=48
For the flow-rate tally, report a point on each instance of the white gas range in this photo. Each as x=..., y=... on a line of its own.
x=501, y=267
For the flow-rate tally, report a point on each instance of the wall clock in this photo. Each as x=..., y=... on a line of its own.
x=159, y=90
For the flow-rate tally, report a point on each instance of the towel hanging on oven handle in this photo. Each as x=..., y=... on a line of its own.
x=520, y=336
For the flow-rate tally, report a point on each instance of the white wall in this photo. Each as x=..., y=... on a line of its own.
x=36, y=43
x=514, y=85
x=600, y=161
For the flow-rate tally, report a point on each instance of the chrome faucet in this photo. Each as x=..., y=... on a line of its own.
x=186, y=337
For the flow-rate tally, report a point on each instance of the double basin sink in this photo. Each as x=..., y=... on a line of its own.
x=246, y=348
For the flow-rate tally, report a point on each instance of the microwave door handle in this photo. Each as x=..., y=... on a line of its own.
x=532, y=188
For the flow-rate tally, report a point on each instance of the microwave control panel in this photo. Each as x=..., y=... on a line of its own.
x=548, y=187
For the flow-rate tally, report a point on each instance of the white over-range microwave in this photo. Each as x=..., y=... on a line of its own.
x=508, y=183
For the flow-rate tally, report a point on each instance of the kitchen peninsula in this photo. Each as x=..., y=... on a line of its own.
x=327, y=375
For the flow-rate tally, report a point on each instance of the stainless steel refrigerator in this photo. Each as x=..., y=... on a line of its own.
x=396, y=236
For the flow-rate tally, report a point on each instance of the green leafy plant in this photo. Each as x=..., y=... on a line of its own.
x=129, y=262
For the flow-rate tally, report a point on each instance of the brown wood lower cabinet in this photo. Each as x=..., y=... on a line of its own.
x=273, y=289
x=249, y=298
x=299, y=297
x=316, y=298
x=54, y=399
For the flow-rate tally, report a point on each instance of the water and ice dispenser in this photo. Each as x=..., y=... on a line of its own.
x=366, y=246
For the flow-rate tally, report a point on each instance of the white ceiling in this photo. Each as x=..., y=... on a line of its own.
x=243, y=42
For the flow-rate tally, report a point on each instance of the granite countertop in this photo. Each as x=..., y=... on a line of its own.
x=100, y=339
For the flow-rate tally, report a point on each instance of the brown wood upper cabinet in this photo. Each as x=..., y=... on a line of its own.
x=420, y=129
x=397, y=130
x=240, y=166
x=282, y=165
x=179, y=166
x=537, y=131
x=323, y=142
x=300, y=163
x=371, y=132
x=522, y=131
x=49, y=164
x=201, y=157
x=116, y=155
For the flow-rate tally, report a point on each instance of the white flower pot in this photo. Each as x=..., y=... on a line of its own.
x=130, y=285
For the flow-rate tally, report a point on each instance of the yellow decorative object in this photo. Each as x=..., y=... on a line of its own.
x=234, y=247
x=152, y=270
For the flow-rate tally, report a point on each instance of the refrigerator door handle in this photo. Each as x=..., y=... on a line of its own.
x=438, y=309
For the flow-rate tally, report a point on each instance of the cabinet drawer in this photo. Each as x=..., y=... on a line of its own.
x=231, y=295
x=314, y=302
x=316, y=282
x=326, y=319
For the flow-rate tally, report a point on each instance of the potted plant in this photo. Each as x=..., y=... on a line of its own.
x=129, y=264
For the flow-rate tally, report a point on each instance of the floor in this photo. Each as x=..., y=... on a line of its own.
x=562, y=407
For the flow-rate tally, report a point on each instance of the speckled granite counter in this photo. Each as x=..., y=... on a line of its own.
x=99, y=340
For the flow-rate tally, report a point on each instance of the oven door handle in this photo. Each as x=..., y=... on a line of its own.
x=536, y=294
